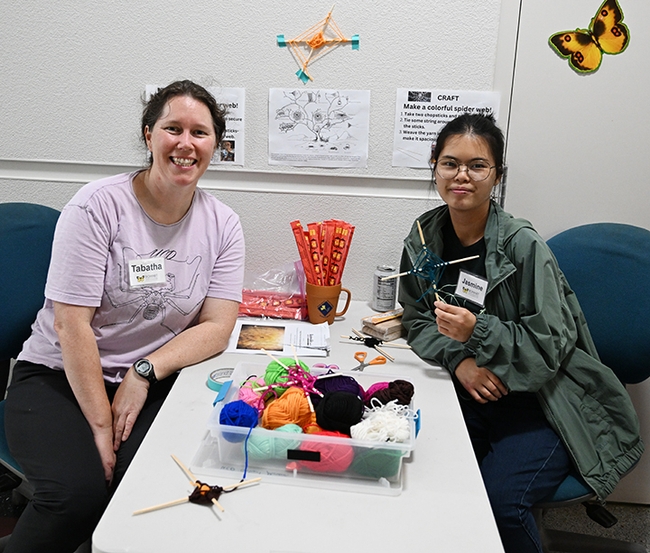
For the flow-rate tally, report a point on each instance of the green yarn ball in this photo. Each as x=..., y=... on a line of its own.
x=276, y=373
x=263, y=446
x=377, y=463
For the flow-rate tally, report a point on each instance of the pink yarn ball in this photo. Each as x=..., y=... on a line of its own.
x=333, y=457
x=250, y=395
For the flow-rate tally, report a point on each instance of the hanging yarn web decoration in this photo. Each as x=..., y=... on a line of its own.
x=429, y=266
x=314, y=43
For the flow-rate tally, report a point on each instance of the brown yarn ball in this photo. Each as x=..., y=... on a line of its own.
x=400, y=390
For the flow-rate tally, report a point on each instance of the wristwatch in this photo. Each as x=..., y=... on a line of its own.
x=144, y=368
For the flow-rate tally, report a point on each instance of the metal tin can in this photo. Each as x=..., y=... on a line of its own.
x=384, y=292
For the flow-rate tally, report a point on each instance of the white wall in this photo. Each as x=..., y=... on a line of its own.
x=73, y=73
x=578, y=144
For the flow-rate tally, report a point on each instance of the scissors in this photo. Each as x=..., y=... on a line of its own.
x=361, y=357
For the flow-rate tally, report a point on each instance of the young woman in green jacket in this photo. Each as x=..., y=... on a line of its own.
x=537, y=401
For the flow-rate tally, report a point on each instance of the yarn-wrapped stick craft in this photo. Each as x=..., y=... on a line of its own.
x=323, y=250
x=203, y=494
x=429, y=267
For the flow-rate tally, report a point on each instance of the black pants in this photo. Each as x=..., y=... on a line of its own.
x=51, y=440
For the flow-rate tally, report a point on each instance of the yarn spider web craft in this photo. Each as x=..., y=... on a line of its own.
x=314, y=43
x=429, y=266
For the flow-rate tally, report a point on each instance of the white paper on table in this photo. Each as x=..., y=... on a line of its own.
x=278, y=336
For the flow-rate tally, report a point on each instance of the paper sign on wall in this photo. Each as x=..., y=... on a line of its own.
x=421, y=114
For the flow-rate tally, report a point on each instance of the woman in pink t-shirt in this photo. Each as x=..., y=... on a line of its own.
x=145, y=279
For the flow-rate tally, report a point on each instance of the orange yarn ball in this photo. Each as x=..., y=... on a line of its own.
x=313, y=428
x=291, y=407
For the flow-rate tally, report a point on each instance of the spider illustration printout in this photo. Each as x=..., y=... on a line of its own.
x=319, y=128
x=175, y=296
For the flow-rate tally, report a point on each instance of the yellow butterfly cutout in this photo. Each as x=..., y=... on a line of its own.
x=585, y=48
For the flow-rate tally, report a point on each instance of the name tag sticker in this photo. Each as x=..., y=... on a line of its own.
x=147, y=272
x=471, y=287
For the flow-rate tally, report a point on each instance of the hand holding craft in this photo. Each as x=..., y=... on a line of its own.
x=454, y=322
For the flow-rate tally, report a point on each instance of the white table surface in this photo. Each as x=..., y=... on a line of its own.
x=443, y=506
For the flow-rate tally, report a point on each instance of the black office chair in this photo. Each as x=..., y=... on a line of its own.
x=26, y=232
x=607, y=266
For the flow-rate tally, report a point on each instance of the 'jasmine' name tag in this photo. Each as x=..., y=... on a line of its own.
x=471, y=287
x=147, y=272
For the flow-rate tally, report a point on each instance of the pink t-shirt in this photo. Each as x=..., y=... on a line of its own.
x=147, y=280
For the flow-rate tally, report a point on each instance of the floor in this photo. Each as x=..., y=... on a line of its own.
x=633, y=522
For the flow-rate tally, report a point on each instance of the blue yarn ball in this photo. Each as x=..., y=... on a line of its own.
x=238, y=413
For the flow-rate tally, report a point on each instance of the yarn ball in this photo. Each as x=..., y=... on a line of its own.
x=373, y=389
x=291, y=407
x=265, y=445
x=338, y=411
x=334, y=457
x=386, y=423
x=276, y=373
x=377, y=463
x=312, y=428
x=400, y=390
x=338, y=383
x=250, y=395
x=238, y=413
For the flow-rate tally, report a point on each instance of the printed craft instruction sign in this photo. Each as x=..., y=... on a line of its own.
x=231, y=149
x=318, y=128
x=421, y=114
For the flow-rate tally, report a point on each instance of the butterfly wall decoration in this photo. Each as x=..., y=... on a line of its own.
x=585, y=47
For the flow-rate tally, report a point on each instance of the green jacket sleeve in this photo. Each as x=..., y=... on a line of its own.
x=528, y=330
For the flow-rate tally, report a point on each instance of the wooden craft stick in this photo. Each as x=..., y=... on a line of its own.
x=187, y=472
x=463, y=259
x=274, y=359
x=424, y=244
x=218, y=505
x=384, y=345
x=242, y=483
x=295, y=355
x=387, y=316
x=161, y=506
x=419, y=270
x=386, y=355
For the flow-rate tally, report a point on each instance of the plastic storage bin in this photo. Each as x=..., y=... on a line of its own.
x=303, y=459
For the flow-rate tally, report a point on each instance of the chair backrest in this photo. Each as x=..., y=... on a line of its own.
x=26, y=232
x=608, y=267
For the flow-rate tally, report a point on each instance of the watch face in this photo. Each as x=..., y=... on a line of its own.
x=143, y=366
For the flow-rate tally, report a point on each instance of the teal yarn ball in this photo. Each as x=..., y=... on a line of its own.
x=263, y=446
x=377, y=463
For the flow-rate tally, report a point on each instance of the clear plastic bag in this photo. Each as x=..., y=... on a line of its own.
x=279, y=293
